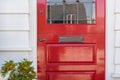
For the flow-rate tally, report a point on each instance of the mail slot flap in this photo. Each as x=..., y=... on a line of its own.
x=71, y=38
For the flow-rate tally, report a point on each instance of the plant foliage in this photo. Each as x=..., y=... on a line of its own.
x=19, y=71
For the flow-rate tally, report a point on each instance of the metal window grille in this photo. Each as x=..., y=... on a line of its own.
x=71, y=12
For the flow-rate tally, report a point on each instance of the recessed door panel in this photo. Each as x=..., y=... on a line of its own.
x=71, y=75
x=71, y=53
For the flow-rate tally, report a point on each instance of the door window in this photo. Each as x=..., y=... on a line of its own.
x=71, y=12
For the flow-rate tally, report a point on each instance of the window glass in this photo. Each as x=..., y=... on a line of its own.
x=71, y=12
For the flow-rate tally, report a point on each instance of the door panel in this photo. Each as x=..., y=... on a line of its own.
x=70, y=53
x=68, y=48
x=85, y=75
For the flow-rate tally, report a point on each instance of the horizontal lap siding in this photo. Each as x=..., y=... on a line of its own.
x=116, y=74
x=14, y=22
x=117, y=56
x=117, y=39
x=117, y=21
x=14, y=6
x=14, y=39
x=14, y=30
x=117, y=5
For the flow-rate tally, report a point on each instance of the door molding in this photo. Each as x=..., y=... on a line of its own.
x=33, y=32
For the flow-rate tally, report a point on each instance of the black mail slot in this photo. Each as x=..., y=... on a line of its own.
x=71, y=38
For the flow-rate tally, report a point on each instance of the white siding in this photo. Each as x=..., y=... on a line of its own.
x=117, y=69
x=117, y=22
x=116, y=63
x=117, y=6
x=18, y=30
x=15, y=31
x=117, y=56
x=117, y=38
x=14, y=6
x=14, y=39
x=14, y=22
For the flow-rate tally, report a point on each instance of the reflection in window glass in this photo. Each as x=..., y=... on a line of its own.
x=71, y=11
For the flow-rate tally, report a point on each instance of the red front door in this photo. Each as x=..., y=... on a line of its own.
x=71, y=39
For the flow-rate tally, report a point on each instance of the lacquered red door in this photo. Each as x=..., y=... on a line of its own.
x=71, y=39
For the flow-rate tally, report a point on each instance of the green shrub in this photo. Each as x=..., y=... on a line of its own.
x=18, y=71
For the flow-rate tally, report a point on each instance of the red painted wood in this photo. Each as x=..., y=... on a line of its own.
x=71, y=75
x=71, y=61
x=70, y=53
